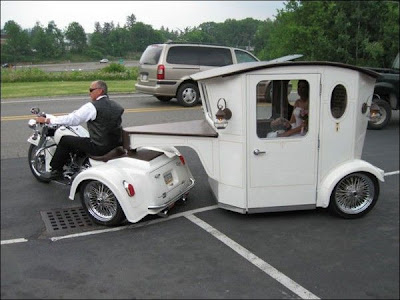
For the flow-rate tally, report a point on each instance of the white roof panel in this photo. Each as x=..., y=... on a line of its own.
x=282, y=61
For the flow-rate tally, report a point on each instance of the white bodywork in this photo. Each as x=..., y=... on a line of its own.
x=152, y=193
x=158, y=183
x=290, y=173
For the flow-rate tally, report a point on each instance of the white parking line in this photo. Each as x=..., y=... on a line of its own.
x=13, y=241
x=392, y=173
x=252, y=258
x=255, y=260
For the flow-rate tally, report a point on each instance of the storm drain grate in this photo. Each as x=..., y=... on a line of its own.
x=66, y=219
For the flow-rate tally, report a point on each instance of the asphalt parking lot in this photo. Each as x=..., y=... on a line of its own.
x=201, y=251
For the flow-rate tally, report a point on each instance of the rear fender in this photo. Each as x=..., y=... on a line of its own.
x=135, y=208
x=329, y=182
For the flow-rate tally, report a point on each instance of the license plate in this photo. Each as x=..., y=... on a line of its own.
x=168, y=178
x=144, y=77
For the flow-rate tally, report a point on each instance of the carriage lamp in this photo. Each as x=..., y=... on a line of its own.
x=374, y=111
x=223, y=115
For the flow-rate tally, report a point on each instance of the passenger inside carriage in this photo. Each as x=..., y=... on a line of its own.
x=281, y=113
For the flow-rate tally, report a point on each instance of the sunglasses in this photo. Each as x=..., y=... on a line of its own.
x=91, y=90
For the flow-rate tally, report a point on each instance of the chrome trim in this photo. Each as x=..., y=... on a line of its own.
x=173, y=199
x=281, y=208
x=232, y=208
x=266, y=209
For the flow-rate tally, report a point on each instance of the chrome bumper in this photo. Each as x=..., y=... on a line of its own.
x=173, y=200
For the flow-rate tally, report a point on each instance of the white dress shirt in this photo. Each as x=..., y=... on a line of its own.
x=85, y=113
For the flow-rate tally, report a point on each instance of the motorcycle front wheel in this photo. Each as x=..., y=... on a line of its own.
x=37, y=164
x=100, y=204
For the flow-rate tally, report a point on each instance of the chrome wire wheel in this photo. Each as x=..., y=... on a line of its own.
x=101, y=203
x=37, y=163
x=354, y=195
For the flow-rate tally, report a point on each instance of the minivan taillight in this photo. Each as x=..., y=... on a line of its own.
x=160, y=72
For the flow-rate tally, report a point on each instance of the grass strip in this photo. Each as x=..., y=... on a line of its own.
x=54, y=88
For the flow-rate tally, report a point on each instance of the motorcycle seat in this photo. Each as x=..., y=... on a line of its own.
x=114, y=153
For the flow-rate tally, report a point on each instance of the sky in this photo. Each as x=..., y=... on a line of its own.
x=174, y=15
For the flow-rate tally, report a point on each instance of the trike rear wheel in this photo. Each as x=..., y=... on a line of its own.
x=101, y=204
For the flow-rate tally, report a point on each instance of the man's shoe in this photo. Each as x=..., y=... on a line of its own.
x=56, y=174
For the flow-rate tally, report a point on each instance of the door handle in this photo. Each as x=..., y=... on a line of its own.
x=258, y=152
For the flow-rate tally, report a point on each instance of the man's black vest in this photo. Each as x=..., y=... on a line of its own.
x=106, y=129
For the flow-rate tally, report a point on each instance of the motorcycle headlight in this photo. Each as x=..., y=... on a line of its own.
x=32, y=123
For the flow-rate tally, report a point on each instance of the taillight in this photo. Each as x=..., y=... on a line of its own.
x=160, y=72
x=129, y=189
x=182, y=159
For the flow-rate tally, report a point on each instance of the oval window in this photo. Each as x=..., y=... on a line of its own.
x=338, y=101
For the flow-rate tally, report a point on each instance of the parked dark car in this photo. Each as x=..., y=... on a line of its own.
x=386, y=94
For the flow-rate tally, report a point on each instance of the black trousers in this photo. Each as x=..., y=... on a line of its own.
x=74, y=144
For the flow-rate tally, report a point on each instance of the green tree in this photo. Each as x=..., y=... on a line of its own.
x=262, y=39
x=355, y=32
x=76, y=36
x=57, y=37
x=47, y=42
x=18, y=46
x=130, y=21
x=141, y=35
x=41, y=45
x=118, y=42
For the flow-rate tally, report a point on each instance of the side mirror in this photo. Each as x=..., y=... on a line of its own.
x=35, y=110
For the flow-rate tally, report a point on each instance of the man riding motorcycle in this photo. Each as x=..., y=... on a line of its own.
x=103, y=117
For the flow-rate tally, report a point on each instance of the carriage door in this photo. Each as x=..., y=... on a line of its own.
x=282, y=171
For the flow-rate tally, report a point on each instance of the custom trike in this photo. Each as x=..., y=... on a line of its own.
x=252, y=166
x=122, y=184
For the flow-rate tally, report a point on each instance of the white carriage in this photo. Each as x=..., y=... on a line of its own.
x=248, y=170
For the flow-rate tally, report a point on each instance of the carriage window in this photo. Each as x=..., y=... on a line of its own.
x=338, y=101
x=282, y=108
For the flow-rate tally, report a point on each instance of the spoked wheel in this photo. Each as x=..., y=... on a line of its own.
x=101, y=204
x=37, y=164
x=354, y=195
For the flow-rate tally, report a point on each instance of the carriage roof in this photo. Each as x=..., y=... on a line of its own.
x=253, y=66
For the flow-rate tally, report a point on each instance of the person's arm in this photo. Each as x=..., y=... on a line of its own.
x=85, y=113
x=291, y=131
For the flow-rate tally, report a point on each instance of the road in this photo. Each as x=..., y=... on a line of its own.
x=84, y=66
x=200, y=251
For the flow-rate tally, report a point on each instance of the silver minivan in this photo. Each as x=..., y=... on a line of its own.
x=164, y=69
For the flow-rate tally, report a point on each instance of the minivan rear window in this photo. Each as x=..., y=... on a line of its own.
x=204, y=56
x=242, y=57
x=151, y=55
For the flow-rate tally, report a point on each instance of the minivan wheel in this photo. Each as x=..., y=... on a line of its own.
x=164, y=98
x=188, y=94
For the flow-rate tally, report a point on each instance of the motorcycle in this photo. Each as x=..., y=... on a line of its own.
x=122, y=184
x=43, y=144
